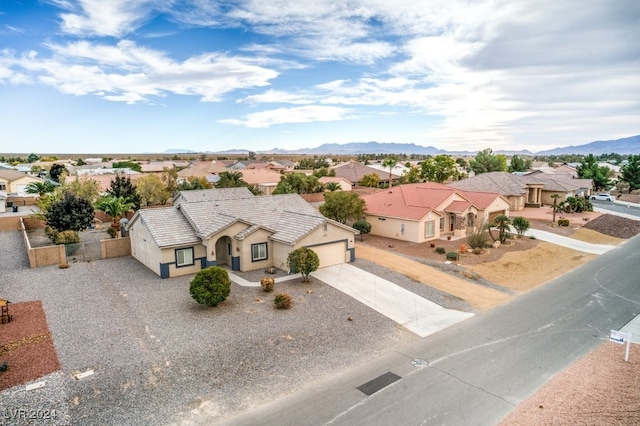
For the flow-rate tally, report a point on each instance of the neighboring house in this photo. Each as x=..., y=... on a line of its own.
x=422, y=212
x=345, y=185
x=521, y=191
x=245, y=234
x=564, y=184
x=13, y=182
x=161, y=166
x=205, y=169
x=3, y=203
x=354, y=172
x=265, y=179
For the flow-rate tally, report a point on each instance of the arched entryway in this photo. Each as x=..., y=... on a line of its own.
x=223, y=251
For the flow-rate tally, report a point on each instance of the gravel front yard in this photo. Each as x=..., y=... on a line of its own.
x=158, y=357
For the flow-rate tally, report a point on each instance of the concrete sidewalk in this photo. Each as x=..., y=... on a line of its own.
x=417, y=314
x=568, y=242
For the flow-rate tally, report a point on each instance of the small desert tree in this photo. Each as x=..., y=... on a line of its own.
x=502, y=222
x=210, y=286
x=363, y=226
x=304, y=261
x=521, y=224
x=555, y=206
x=69, y=213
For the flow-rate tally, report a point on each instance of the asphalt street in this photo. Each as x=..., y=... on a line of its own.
x=621, y=208
x=477, y=371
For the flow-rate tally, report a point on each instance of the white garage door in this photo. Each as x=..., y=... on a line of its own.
x=331, y=254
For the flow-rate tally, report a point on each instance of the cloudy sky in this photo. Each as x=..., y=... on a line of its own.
x=132, y=76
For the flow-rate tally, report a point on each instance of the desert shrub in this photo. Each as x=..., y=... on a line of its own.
x=477, y=250
x=210, y=286
x=4, y=367
x=303, y=260
x=452, y=255
x=112, y=232
x=478, y=237
x=282, y=301
x=521, y=224
x=563, y=222
x=363, y=226
x=67, y=237
x=50, y=233
x=267, y=284
x=440, y=250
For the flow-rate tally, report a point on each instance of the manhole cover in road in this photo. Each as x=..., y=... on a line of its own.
x=417, y=362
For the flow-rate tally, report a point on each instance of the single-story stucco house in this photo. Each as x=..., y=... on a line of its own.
x=425, y=211
x=245, y=233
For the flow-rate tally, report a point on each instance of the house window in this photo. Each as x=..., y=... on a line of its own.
x=402, y=229
x=325, y=227
x=184, y=257
x=429, y=228
x=3, y=187
x=258, y=252
x=441, y=224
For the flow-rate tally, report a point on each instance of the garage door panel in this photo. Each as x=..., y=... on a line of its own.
x=330, y=254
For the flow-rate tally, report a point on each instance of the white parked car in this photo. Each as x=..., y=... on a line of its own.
x=602, y=197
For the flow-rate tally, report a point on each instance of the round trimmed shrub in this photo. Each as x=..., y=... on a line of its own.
x=282, y=301
x=267, y=284
x=210, y=286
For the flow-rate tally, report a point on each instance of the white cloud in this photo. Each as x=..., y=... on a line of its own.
x=305, y=114
x=126, y=72
x=105, y=18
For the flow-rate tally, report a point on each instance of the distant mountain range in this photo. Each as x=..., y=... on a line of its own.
x=624, y=146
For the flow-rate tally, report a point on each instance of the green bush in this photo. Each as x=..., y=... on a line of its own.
x=210, y=286
x=282, y=301
x=563, y=222
x=440, y=250
x=521, y=224
x=452, y=255
x=67, y=237
x=477, y=238
x=304, y=261
x=267, y=284
x=112, y=232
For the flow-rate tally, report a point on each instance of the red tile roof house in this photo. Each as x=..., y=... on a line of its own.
x=427, y=211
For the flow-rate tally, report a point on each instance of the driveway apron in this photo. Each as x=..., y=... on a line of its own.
x=417, y=314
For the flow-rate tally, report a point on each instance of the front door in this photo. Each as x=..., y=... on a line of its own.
x=452, y=221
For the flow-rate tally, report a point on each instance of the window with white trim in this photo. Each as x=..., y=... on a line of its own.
x=184, y=257
x=429, y=228
x=442, y=224
x=258, y=252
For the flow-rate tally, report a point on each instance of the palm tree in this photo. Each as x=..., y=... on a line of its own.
x=40, y=188
x=115, y=207
x=390, y=162
x=555, y=206
x=231, y=180
x=332, y=186
x=502, y=222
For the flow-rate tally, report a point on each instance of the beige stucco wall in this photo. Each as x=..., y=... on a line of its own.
x=144, y=248
x=17, y=186
x=413, y=230
x=500, y=205
x=257, y=237
x=547, y=200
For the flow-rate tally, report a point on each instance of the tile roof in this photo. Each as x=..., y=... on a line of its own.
x=12, y=175
x=414, y=201
x=289, y=216
x=501, y=182
x=167, y=226
x=457, y=206
x=260, y=176
x=354, y=172
x=215, y=194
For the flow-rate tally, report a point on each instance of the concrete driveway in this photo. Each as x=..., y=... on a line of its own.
x=417, y=314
